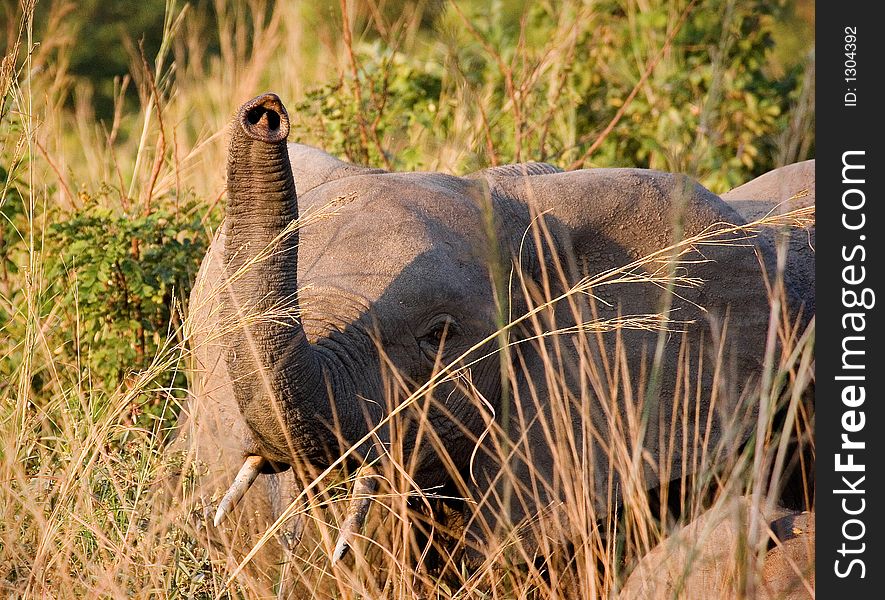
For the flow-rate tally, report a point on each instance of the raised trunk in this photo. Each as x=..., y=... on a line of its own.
x=279, y=380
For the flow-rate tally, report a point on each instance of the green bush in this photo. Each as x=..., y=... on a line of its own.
x=123, y=280
x=713, y=105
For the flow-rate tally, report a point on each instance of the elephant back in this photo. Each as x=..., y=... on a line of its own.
x=785, y=189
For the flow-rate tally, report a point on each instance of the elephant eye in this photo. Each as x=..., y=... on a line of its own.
x=437, y=336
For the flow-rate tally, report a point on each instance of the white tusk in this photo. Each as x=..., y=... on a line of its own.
x=243, y=481
x=357, y=510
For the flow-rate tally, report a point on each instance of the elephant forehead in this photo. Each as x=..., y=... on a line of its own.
x=371, y=271
x=370, y=233
x=407, y=207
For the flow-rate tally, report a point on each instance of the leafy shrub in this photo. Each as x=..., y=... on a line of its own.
x=712, y=105
x=127, y=278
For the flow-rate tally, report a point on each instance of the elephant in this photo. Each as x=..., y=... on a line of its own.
x=343, y=311
x=704, y=558
x=790, y=187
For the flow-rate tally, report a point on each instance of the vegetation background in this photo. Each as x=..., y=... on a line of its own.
x=113, y=122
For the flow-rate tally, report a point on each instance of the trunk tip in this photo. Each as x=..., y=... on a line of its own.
x=264, y=119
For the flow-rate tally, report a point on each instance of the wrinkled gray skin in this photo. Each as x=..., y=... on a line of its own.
x=404, y=254
x=785, y=189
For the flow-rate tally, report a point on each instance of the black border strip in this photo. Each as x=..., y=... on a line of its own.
x=849, y=555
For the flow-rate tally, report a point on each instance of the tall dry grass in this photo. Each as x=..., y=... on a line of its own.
x=79, y=473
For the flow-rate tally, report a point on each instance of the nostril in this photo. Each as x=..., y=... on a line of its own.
x=273, y=120
x=254, y=115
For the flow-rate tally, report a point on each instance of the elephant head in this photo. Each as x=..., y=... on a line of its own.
x=332, y=276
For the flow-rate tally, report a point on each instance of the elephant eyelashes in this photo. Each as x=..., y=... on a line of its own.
x=433, y=341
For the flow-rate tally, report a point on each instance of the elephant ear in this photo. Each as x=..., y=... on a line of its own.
x=608, y=218
x=312, y=167
x=631, y=212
